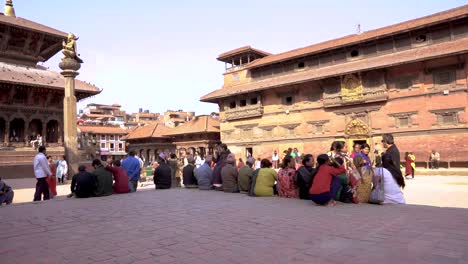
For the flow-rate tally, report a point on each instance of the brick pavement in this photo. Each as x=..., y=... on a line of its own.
x=191, y=226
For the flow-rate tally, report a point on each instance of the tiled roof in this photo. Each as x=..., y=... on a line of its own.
x=200, y=124
x=27, y=24
x=393, y=59
x=40, y=76
x=365, y=36
x=150, y=130
x=228, y=54
x=102, y=130
x=96, y=116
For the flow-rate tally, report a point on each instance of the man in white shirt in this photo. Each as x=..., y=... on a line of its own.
x=275, y=159
x=42, y=172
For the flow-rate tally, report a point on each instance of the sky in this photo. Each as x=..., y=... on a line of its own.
x=161, y=55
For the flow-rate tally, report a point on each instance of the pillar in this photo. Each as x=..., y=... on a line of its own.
x=7, y=132
x=70, y=67
x=44, y=132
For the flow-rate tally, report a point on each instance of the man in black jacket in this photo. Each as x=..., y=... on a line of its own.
x=304, y=176
x=83, y=183
x=162, y=175
x=188, y=174
x=391, y=149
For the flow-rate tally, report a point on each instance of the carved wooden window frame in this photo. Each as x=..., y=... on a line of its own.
x=404, y=115
x=452, y=74
x=453, y=112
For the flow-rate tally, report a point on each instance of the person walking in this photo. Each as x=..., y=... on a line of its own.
x=41, y=171
x=132, y=166
x=52, y=180
x=62, y=169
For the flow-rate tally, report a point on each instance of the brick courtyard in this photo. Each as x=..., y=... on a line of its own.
x=190, y=226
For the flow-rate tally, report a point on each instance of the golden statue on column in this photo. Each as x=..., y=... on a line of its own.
x=69, y=48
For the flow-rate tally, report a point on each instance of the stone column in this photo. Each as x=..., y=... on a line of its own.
x=44, y=132
x=7, y=132
x=70, y=67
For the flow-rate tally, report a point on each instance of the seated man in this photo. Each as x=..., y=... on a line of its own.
x=188, y=174
x=103, y=179
x=6, y=193
x=245, y=175
x=163, y=174
x=83, y=183
x=204, y=175
x=229, y=175
x=120, y=176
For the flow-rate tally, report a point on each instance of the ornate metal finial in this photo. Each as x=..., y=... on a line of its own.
x=9, y=9
x=70, y=60
x=358, y=29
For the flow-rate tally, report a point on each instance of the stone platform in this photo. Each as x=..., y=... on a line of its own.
x=191, y=226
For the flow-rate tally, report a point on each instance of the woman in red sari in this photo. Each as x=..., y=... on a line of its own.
x=52, y=180
x=408, y=167
x=287, y=186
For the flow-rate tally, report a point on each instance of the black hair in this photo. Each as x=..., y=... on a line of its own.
x=406, y=155
x=96, y=162
x=286, y=160
x=265, y=163
x=388, y=164
x=306, y=158
x=116, y=163
x=388, y=138
x=173, y=156
x=82, y=168
x=321, y=159
x=42, y=149
x=365, y=145
x=337, y=146
x=131, y=153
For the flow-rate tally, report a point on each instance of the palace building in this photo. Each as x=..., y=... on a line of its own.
x=408, y=79
x=31, y=96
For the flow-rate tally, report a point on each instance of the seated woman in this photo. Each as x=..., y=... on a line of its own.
x=361, y=180
x=326, y=183
x=265, y=180
x=286, y=179
x=393, y=181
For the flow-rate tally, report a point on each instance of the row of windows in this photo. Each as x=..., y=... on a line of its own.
x=107, y=137
x=447, y=119
x=112, y=146
x=397, y=43
x=243, y=102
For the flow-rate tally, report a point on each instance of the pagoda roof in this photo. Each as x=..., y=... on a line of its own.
x=40, y=77
x=242, y=50
x=150, y=130
x=31, y=25
x=102, y=129
x=200, y=124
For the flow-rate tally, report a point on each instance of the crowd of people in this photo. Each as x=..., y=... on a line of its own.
x=330, y=177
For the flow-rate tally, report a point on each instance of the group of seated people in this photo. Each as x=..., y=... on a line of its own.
x=336, y=177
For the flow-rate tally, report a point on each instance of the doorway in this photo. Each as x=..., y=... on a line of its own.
x=353, y=141
x=248, y=152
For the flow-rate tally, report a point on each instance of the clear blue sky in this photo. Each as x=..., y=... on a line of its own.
x=161, y=55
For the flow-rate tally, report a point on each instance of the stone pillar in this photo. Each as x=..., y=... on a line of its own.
x=7, y=132
x=70, y=67
x=44, y=132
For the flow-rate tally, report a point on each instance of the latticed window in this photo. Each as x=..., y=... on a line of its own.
x=403, y=121
x=319, y=128
x=447, y=119
x=444, y=77
x=404, y=82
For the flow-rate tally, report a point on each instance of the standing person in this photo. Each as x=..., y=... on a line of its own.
x=246, y=175
x=163, y=174
x=413, y=163
x=275, y=159
x=304, y=176
x=230, y=175
x=296, y=153
x=391, y=149
x=62, y=169
x=51, y=181
x=435, y=159
x=119, y=174
x=188, y=174
x=6, y=193
x=204, y=175
x=198, y=160
x=41, y=171
x=240, y=164
x=326, y=184
x=173, y=164
x=265, y=180
x=286, y=179
x=356, y=150
x=103, y=179
x=258, y=163
x=408, y=168
x=83, y=183
x=132, y=166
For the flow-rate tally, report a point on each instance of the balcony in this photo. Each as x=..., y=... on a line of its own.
x=248, y=111
x=366, y=97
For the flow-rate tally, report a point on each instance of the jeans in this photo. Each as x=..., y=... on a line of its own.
x=132, y=185
x=42, y=189
x=324, y=198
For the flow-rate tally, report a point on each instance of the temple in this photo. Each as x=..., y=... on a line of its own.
x=409, y=79
x=31, y=96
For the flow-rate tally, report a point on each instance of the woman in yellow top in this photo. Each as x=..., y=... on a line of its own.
x=265, y=182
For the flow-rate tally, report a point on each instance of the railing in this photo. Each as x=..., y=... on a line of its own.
x=248, y=111
x=367, y=97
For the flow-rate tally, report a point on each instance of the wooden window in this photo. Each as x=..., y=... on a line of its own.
x=103, y=137
x=444, y=76
x=404, y=82
x=447, y=119
x=103, y=145
x=120, y=146
x=253, y=101
x=301, y=65
x=319, y=128
x=243, y=102
x=288, y=100
x=403, y=121
x=232, y=104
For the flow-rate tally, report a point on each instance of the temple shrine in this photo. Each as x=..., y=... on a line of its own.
x=31, y=96
x=408, y=79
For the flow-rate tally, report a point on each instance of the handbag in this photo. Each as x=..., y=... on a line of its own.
x=377, y=195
